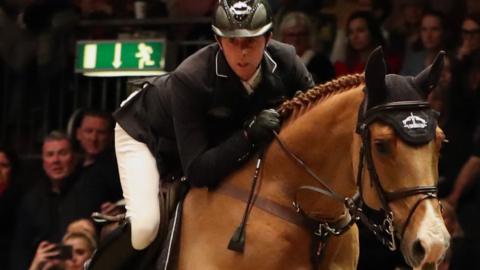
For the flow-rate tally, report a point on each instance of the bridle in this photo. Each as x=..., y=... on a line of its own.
x=385, y=231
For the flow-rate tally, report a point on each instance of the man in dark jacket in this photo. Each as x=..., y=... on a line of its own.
x=99, y=175
x=49, y=207
x=209, y=115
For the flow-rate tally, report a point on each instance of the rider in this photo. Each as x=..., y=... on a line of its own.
x=208, y=115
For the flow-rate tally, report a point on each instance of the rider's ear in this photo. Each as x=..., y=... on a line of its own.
x=219, y=41
x=428, y=78
x=268, y=37
x=375, y=71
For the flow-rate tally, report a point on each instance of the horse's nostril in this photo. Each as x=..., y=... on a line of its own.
x=429, y=266
x=418, y=251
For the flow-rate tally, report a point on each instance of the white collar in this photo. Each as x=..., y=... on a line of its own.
x=254, y=81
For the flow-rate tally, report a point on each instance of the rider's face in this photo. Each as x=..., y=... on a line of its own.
x=244, y=54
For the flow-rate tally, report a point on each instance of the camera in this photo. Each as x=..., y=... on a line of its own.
x=65, y=252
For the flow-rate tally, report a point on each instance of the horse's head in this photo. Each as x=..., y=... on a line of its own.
x=401, y=142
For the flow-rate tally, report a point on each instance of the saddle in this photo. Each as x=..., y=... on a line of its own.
x=115, y=251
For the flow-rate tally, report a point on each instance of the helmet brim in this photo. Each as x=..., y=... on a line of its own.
x=242, y=32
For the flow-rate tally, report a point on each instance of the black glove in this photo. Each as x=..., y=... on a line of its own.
x=260, y=129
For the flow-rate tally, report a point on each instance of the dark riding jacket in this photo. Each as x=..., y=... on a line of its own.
x=196, y=113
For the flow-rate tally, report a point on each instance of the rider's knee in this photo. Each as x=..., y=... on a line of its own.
x=144, y=229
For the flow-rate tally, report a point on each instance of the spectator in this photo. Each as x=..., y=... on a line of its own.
x=461, y=159
x=470, y=36
x=94, y=135
x=83, y=245
x=99, y=175
x=341, y=10
x=405, y=27
x=287, y=6
x=433, y=32
x=10, y=195
x=364, y=35
x=82, y=225
x=50, y=206
x=296, y=29
x=459, y=118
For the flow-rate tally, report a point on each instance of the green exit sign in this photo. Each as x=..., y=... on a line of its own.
x=111, y=58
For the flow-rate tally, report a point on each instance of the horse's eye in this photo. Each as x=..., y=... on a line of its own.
x=382, y=147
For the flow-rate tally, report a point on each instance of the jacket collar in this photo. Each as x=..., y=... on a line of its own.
x=222, y=69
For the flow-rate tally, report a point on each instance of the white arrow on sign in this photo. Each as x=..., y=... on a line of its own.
x=117, y=57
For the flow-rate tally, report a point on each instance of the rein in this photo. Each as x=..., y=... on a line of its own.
x=384, y=231
x=321, y=230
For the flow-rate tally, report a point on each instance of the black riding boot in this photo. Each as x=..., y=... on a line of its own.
x=116, y=251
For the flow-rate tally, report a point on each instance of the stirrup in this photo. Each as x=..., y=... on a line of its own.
x=116, y=252
x=103, y=218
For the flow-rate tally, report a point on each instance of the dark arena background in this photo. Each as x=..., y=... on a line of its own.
x=62, y=61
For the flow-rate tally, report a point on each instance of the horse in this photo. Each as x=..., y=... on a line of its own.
x=360, y=139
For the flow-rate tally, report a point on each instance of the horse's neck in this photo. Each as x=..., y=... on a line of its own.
x=322, y=138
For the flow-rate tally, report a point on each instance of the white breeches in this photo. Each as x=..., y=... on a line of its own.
x=139, y=177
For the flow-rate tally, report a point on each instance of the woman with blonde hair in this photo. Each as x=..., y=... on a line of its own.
x=83, y=245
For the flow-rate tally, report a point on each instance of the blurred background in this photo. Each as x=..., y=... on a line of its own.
x=51, y=72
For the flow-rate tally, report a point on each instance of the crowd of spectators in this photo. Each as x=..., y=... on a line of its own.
x=56, y=209
x=38, y=207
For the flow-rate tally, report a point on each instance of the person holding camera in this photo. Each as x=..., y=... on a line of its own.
x=46, y=257
x=82, y=244
x=75, y=250
x=48, y=208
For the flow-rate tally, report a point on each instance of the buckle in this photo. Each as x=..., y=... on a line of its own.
x=388, y=228
x=296, y=206
x=324, y=230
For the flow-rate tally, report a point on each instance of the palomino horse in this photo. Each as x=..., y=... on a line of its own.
x=371, y=135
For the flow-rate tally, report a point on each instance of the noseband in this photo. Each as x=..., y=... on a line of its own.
x=385, y=231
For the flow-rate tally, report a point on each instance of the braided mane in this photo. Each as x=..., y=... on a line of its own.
x=319, y=92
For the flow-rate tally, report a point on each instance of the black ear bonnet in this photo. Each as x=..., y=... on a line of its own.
x=399, y=101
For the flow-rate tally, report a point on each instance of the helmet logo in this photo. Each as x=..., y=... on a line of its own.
x=240, y=10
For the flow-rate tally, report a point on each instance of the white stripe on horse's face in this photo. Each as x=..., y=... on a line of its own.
x=433, y=235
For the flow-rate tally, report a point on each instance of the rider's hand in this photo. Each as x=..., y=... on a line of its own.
x=259, y=130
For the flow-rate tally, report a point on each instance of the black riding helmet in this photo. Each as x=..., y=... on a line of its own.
x=242, y=18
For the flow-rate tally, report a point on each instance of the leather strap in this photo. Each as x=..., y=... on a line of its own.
x=264, y=204
x=281, y=211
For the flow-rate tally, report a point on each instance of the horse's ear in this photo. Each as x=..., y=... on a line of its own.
x=375, y=71
x=428, y=78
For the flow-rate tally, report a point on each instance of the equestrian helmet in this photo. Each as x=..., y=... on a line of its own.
x=242, y=18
